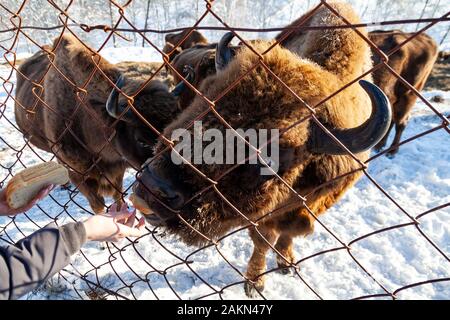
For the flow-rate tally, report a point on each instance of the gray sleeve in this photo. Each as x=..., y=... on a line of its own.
x=31, y=261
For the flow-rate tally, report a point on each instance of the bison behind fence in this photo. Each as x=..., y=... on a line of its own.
x=224, y=230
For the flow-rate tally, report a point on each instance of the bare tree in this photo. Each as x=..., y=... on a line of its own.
x=422, y=13
x=112, y=22
x=147, y=10
x=445, y=36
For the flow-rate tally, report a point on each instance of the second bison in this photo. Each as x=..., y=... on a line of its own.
x=66, y=105
x=414, y=62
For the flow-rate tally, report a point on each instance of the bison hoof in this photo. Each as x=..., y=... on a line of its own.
x=284, y=267
x=285, y=270
x=391, y=154
x=252, y=290
x=378, y=148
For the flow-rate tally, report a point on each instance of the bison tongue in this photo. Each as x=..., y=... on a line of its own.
x=140, y=204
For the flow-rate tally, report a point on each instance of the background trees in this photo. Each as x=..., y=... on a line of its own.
x=163, y=14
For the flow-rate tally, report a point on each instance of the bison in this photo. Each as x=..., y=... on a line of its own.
x=206, y=203
x=99, y=137
x=413, y=62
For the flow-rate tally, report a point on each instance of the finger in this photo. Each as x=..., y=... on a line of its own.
x=113, y=208
x=41, y=194
x=130, y=232
x=131, y=219
x=127, y=215
x=126, y=221
x=141, y=224
x=124, y=208
x=118, y=216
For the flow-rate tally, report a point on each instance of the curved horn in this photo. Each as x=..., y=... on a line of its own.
x=112, y=104
x=189, y=75
x=223, y=51
x=357, y=139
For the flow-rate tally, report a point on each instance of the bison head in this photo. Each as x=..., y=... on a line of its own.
x=154, y=104
x=207, y=200
x=203, y=61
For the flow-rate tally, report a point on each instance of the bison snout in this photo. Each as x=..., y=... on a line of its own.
x=163, y=189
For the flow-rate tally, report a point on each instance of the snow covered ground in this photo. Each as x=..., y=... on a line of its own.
x=418, y=178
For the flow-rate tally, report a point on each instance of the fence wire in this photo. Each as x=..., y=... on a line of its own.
x=88, y=283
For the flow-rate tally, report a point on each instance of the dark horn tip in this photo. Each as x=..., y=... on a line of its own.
x=120, y=81
x=361, y=138
x=223, y=51
x=379, y=98
x=112, y=104
x=227, y=37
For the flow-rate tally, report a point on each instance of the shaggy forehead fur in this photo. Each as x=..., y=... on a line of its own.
x=260, y=101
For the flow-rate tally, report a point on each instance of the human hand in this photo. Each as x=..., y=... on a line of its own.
x=114, y=225
x=5, y=210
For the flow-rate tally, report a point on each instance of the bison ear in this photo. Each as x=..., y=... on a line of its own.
x=113, y=107
x=169, y=37
x=176, y=52
x=169, y=47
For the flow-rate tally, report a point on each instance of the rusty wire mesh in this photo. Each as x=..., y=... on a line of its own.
x=92, y=286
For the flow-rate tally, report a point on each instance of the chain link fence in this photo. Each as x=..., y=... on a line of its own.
x=129, y=270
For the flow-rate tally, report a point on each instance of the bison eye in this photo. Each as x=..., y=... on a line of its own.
x=143, y=144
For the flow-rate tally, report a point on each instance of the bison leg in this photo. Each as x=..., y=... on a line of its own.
x=402, y=110
x=262, y=241
x=90, y=189
x=284, y=246
x=117, y=190
x=293, y=224
x=117, y=196
x=380, y=145
x=399, y=128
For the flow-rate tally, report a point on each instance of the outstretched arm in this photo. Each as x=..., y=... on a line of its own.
x=33, y=260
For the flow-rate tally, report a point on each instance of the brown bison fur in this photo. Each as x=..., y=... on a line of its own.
x=173, y=39
x=414, y=62
x=78, y=133
x=143, y=70
x=260, y=101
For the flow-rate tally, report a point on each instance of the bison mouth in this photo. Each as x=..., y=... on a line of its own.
x=157, y=199
x=140, y=204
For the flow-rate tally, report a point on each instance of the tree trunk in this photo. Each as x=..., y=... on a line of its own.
x=112, y=23
x=445, y=36
x=146, y=21
x=422, y=14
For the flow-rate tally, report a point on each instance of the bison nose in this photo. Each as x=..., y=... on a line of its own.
x=163, y=189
